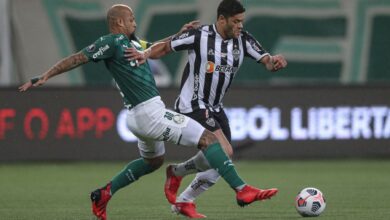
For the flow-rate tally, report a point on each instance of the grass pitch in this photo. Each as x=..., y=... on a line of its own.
x=357, y=189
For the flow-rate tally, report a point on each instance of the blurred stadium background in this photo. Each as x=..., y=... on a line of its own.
x=332, y=102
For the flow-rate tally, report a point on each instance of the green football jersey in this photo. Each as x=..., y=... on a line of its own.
x=136, y=83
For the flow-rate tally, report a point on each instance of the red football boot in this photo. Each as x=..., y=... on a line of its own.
x=100, y=198
x=250, y=194
x=187, y=209
x=172, y=184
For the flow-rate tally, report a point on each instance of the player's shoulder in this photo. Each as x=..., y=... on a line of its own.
x=200, y=29
x=209, y=29
x=246, y=34
x=108, y=38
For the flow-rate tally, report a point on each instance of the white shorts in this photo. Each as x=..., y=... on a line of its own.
x=153, y=124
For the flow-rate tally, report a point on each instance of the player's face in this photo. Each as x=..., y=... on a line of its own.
x=234, y=25
x=130, y=24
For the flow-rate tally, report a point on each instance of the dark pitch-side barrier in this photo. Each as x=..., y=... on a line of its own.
x=309, y=122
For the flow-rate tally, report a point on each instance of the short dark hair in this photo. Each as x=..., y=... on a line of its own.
x=229, y=8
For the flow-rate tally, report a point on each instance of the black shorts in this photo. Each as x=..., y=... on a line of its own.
x=212, y=121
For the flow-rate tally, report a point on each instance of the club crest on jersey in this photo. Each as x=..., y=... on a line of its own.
x=211, y=52
x=91, y=48
x=178, y=119
x=236, y=54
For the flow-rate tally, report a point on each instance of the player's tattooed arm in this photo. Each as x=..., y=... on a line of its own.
x=65, y=65
x=62, y=66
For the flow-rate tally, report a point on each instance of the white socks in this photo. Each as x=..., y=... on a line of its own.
x=202, y=182
x=196, y=164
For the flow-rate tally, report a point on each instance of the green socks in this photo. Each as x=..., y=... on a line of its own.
x=223, y=165
x=132, y=172
x=214, y=154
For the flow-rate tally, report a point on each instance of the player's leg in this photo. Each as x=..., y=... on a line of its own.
x=152, y=157
x=218, y=123
x=186, y=131
x=218, y=160
x=182, y=130
x=203, y=180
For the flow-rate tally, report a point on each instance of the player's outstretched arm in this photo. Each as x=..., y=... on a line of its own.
x=274, y=63
x=154, y=52
x=62, y=66
x=190, y=25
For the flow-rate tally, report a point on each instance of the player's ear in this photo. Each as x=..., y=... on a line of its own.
x=120, y=22
x=222, y=19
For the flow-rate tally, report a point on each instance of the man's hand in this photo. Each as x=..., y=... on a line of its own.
x=134, y=54
x=191, y=25
x=279, y=62
x=34, y=82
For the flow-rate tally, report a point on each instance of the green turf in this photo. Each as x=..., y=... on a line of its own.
x=353, y=189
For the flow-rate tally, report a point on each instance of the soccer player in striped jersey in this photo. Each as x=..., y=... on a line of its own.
x=147, y=116
x=215, y=53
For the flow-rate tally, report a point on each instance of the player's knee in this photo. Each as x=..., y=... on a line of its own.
x=207, y=139
x=156, y=162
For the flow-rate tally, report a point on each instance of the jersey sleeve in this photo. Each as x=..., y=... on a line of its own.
x=103, y=48
x=184, y=41
x=252, y=48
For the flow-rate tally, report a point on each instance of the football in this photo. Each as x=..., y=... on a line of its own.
x=310, y=202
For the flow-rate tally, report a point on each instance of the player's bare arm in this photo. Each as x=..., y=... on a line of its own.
x=162, y=49
x=274, y=63
x=156, y=51
x=62, y=66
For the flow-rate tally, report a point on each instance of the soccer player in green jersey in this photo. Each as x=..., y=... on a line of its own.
x=147, y=116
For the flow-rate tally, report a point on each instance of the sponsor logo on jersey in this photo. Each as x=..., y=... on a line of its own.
x=166, y=134
x=211, y=68
x=100, y=51
x=254, y=46
x=196, y=83
x=196, y=87
x=211, y=52
x=184, y=35
x=211, y=122
x=225, y=68
x=91, y=48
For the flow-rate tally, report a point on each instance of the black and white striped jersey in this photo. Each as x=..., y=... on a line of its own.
x=211, y=67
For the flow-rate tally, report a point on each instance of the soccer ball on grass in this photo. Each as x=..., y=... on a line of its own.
x=310, y=202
